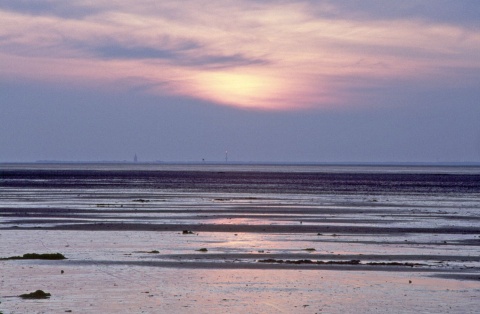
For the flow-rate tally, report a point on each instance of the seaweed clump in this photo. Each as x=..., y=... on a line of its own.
x=307, y=261
x=39, y=294
x=47, y=256
x=395, y=264
x=351, y=262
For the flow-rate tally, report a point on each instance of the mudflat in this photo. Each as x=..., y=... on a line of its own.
x=240, y=241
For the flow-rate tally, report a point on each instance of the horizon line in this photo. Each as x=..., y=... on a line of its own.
x=233, y=163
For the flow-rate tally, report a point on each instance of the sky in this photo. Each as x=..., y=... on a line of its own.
x=267, y=81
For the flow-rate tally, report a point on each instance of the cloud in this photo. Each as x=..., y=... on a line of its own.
x=64, y=9
x=267, y=55
x=463, y=13
x=115, y=51
x=179, y=56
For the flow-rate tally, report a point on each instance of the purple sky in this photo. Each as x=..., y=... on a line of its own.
x=293, y=81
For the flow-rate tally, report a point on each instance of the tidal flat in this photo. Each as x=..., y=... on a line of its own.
x=154, y=239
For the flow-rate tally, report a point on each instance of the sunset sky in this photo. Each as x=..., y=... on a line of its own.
x=292, y=81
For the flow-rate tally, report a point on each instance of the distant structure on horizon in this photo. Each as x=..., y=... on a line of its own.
x=135, y=159
x=226, y=156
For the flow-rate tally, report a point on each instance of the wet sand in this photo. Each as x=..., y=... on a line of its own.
x=111, y=268
x=136, y=289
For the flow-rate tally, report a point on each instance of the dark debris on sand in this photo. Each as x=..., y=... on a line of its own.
x=351, y=262
x=47, y=256
x=39, y=294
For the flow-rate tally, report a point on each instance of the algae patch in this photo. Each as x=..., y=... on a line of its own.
x=47, y=256
x=39, y=294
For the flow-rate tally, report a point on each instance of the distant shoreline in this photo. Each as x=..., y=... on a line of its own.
x=254, y=163
x=417, y=168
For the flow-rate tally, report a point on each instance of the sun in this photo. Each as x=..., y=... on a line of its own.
x=247, y=90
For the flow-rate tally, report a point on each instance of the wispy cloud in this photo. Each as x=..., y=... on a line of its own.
x=270, y=55
x=119, y=51
x=70, y=9
x=463, y=13
x=179, y=56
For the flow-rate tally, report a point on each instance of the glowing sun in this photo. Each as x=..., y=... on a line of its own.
x=239, y=89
